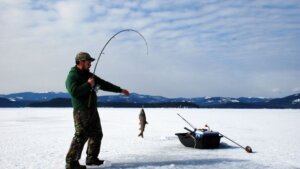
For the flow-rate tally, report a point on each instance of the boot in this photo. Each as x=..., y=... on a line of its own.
x=75, y=165
x=93, y=161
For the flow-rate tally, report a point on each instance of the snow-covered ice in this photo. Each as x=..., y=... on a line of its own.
x=39, y=138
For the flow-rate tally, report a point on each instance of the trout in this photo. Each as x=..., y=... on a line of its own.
x=143, y=122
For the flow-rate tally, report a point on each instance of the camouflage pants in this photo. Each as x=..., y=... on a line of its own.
x=87, y=127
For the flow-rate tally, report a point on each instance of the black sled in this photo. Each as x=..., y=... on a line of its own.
x=204, y=140
x=208, y=138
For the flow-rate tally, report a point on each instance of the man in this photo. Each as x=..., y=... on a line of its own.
x=79, y=84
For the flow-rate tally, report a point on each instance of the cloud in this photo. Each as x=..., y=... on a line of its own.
x=226, y=48
x=296, y=89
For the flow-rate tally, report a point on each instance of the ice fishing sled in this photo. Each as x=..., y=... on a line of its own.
x=204, y=140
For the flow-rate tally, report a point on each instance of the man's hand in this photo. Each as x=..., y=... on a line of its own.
x=91, y=81
x=125, y=92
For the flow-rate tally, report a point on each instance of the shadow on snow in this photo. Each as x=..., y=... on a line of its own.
x=176, y=163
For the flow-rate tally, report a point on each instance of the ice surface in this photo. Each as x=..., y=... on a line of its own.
x=39, y=138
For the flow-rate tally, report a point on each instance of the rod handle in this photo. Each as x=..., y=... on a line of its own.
x=90, y=99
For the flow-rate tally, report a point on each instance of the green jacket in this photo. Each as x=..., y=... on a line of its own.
x=80, y=89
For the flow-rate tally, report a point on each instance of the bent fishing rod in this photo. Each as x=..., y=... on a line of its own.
x=124, y=30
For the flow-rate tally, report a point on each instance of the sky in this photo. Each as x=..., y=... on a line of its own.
x=196, y=48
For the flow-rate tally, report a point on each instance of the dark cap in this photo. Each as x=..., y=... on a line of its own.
x=83, y=56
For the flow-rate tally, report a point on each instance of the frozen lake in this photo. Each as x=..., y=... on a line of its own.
x=39, y=138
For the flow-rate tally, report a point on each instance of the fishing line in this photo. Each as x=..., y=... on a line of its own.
x=124, y=30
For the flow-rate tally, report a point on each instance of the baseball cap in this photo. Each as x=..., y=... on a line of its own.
x=83, y=56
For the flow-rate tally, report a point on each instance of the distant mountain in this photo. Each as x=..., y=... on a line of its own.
x=292, y=101
x=201, y=101
x=52, y=99
x=57, y=102
x=30, y=96
x=133, y=98
x=8, y=103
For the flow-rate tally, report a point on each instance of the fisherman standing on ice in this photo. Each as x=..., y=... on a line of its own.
x=79, y=83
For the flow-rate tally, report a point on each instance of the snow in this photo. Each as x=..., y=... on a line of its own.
x=225, y=100
x=39, y=138
x=296, y=101
x=12, y=99
x=234, y=101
